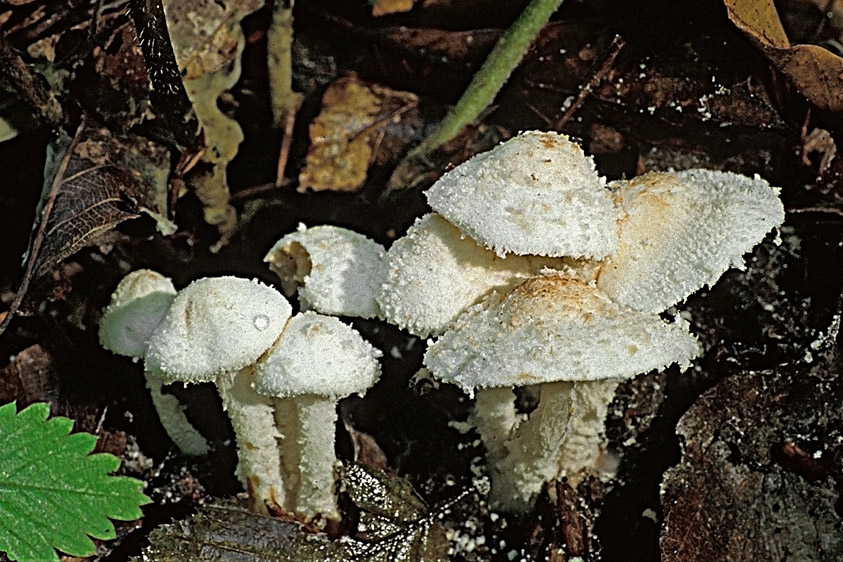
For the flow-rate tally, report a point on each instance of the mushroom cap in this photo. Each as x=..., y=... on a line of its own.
x=555, y=328
x=318, y=355
x=214, y=326
x=335, y=270
x=138, y=305
x=682, y=231
x=434, y=272
x=537, y=193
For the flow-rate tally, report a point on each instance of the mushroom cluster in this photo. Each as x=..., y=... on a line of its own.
x=531, y=270
x=279, y=377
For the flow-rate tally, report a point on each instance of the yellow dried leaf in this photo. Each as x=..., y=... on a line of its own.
x=343, y=136
x=815, y=71
x=386, y=7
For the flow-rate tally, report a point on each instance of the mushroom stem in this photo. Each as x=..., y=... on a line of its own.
x=172, y=418
x=253, y=422
x=307, y=425
x=495, y=418
x=561, y=438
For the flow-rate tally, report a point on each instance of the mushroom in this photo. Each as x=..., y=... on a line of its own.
x=573, y=340
x=537, y=193
x=682, y=231
x=214, y=331
x=317, y=361
x=335, y=270
x=137, y=307
x=434, y=272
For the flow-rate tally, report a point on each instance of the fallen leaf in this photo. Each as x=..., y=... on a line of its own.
x=386, y=7
x=25, y=378
x=757, y=479
x=228, y=531
x=92, y=183
x=349, y=131
x=815, y=71
x=395, y=523
x=395, y=526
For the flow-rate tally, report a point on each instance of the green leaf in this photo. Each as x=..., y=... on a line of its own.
x=53, y=494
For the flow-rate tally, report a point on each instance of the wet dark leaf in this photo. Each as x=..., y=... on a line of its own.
x=227, y=531
x=398, y=528
x=758, y=479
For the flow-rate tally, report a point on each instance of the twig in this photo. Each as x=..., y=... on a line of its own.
x=286, y=140
x=617, y=44
x=482, y=90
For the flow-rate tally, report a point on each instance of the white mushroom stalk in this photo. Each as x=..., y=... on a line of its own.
x=551, y=328
x=335, y=270
x=317, y=361
x=215, y=330
x=434, y=272
x=137, y=307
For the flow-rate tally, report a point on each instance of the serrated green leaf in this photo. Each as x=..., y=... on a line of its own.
x=53, y=494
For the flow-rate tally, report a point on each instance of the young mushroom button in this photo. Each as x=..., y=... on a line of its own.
x=317, y=361
x=335, y=270
x=576, y=343
x=215, y=331
x=537, y=193
x=137, y=307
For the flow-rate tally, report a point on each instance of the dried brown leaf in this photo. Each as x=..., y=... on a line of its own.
x=757, y=475
x=349, y=132
x=386, y=7
x=92, y=183
x=815, y=71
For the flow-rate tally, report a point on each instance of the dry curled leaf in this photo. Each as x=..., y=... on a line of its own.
x=349, y=131
x=815, y=71
x=758, y=478
x=92, y=183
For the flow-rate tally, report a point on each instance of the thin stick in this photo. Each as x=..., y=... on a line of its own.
x=617, y=44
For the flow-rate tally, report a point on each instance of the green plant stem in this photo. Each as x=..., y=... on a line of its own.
x=483, y=88
x=280, y=63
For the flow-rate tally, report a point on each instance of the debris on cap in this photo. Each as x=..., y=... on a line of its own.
x=335, y=270
x=554, y=328
x=434, y=272
x=317, y=355
x=537, y=193
x=137, y=306
x=216, y=325
x=682, y=231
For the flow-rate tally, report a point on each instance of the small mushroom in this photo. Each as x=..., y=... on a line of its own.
x=682, y=231
x=137, y=307
x=215, y=331
x=335, y=270
x=317, y=361
x=537, y=193
x=434, y=272
x=574, y=341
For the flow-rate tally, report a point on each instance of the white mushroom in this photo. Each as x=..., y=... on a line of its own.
x=317, y=361
x=537, y=193
x=215, y=330
x=682, y=230
x=434, y=272
x=137, y=307
x=578, y=344
x=335, y=270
